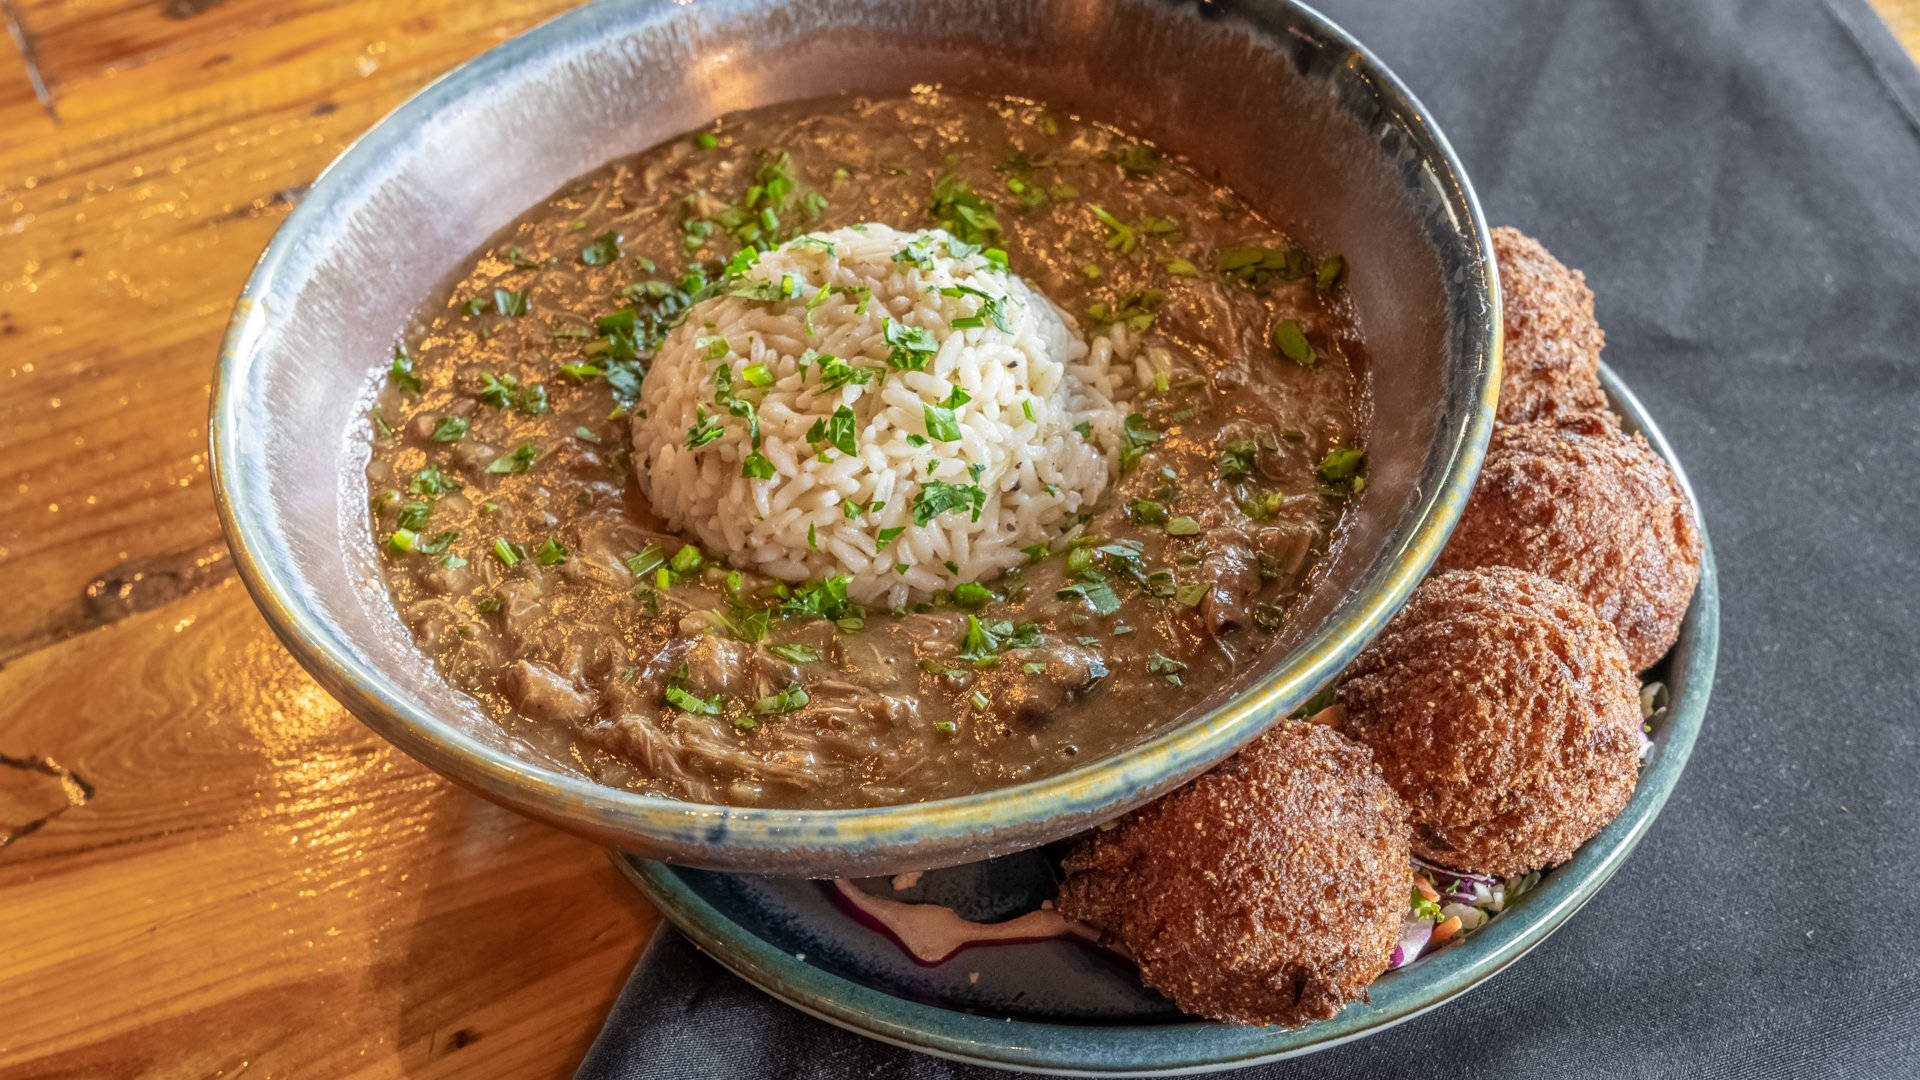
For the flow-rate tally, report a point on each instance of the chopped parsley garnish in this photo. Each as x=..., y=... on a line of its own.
x=1291, y=339
x=756, y=375
x=837, y=431
x=1139, y=439
x=432, y=480
x=1162, y=664
x=836, y=373
x=985, y=641
x=1136, y=309
x=705, y=140
x=451, y=429
x=1237, y=458
x=887, y=536
x=794, y=652
x=1180, y=267
x=414, y=514
x=1084, y=429
x=551, y=553
x=1138, y=159
x=604, y=249
x=510, y=302
x=1147, y=512
x=962, y=212
x=1343, y=470
x=1260, y=267
x=1259, y=505
x=937, y=497
x=1182, y=526
x=823, y=599
x=687, y=701
x=401, y=372
x=507, y=552
x=756, y=466
x=1098, y=594
x=990, y=310
x=972, y=595
x=745, y=410
x=705, y=429
x=518, y=461
x=794, y=697
x=1331, y=270
x=941, y=424
x=517, y=255
x=813, y=538
x=909, y=348
x=505, y=391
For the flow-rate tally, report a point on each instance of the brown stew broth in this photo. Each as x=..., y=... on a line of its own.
x=511, y=473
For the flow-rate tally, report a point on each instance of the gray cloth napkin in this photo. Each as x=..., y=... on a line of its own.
x=1741, y=183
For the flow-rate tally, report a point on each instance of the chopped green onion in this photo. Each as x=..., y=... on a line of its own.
x=794, y=652
x=1291, y=339
x=686, y=560
x=786, y=701
x=550, y=553
x=685, y=700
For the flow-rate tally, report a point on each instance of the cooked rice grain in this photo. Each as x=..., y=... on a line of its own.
x=1028, y=386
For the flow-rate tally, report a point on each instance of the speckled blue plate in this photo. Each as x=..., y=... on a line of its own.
x=1061, y=1007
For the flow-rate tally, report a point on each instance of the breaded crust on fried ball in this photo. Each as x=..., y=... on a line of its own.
x=1582, y=502
x=1551, y=357
x=1502, y=710
x=1269, y=891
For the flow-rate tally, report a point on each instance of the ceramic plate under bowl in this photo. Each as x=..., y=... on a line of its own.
x=1062, y=1007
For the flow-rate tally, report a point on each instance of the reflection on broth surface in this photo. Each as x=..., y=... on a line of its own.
x=525, y=560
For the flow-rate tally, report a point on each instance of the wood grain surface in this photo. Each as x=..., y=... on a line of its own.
x=207, y=868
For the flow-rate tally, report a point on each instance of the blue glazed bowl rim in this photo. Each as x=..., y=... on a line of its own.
x=1106, y=785
x=1201, y=1046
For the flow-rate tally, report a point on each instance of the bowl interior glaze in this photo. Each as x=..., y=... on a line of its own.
x=1273, y=99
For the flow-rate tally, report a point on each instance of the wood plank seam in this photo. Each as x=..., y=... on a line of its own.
x=29, y=57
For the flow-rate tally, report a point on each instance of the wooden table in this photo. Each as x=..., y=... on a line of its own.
x=207, y=867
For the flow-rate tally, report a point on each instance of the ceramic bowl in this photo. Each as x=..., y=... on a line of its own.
x=1061, y=1007
x=1277, y=101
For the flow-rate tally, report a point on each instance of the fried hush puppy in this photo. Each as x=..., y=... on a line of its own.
x=1504, y=713
x=1269, y=891
x=1578, y=500
x=1552, y=352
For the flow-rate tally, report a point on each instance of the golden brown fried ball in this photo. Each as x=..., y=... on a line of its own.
x=1502, y=710
x=1552, y=352
x=1580, y=501
x=1269, y=891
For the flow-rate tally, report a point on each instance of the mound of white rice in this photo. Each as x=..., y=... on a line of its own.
x=892, y=406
